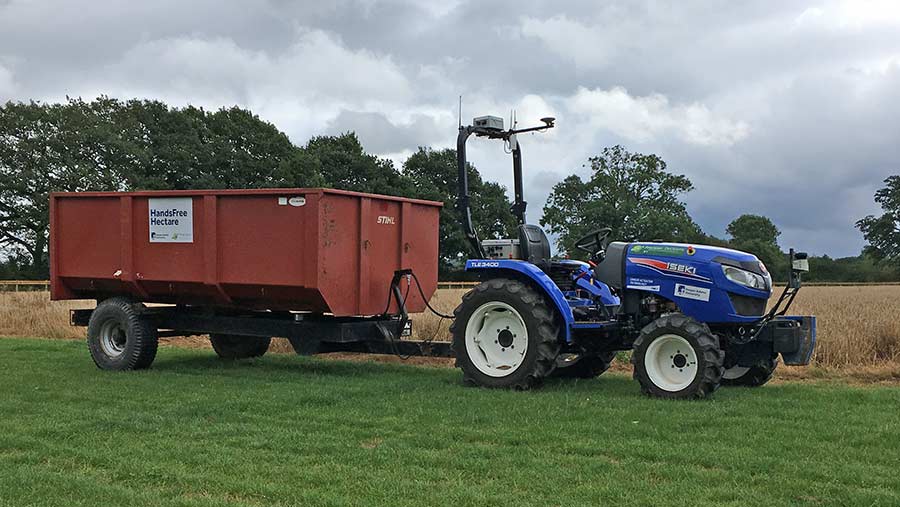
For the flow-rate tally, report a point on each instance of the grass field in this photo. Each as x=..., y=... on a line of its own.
x=285, y=430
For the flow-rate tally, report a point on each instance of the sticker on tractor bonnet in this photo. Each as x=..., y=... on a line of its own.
x=171, y=219
x=691, y=292
x=669, y=268
x=642, y=284
x=670, y=251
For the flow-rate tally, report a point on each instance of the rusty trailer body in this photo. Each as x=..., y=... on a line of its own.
x=313, y=250
x=243, y=263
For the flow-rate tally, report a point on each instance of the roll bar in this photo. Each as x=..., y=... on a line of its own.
x=463, y=202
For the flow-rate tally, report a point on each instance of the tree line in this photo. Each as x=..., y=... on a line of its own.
x=110, y=144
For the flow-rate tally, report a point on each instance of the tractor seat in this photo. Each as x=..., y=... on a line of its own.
x=534, y=246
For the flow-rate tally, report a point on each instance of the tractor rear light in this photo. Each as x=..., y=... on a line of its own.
x=746, y=278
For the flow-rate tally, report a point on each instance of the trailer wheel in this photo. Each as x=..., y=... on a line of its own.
x=677, y=357
x=586, y=367
x=504, y=336
x=119, y=337
x=752, y=376
x=230, y=346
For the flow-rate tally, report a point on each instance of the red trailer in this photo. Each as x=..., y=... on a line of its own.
x=321, y=267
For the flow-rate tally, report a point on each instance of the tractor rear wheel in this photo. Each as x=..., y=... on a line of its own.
x=229, y=346
x=119, y=337
x=504, y=335
x=752, y=376
x=586, y=367
x=677, y=357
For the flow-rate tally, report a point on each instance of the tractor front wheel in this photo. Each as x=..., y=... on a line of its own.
x=750, y=376
x=504, y=335
x=677, y=357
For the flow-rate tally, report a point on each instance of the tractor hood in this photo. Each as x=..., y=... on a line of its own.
x=707, y=282
x=699, y=253
x=732, y=270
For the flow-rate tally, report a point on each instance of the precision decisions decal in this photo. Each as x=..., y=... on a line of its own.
x=171, y=220
x=666, y=250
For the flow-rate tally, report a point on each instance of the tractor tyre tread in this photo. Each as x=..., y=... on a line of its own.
x=231, y=347
x=532, y=306
x=587, y=367
x=756, y=376
x=709, y=375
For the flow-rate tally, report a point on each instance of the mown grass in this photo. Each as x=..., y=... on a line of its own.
x=284, y=430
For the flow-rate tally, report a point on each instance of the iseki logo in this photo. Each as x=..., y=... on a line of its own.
x=385, y=220
x=681, y=268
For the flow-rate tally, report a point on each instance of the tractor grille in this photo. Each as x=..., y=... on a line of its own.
x=748, y=306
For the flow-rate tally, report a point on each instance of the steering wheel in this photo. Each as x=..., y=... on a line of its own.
x=594, y=243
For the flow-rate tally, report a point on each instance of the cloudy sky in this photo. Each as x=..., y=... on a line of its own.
x=787, y=109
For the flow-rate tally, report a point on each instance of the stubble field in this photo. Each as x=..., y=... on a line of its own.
x=859, y=327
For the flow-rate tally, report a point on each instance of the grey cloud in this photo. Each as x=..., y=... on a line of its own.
x=788, y=109
x=377, y=133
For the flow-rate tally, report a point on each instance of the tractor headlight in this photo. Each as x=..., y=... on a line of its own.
x=747, y=278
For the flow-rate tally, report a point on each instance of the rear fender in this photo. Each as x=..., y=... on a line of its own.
x=536, y=278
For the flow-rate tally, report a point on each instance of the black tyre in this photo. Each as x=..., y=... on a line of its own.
x=586, y=367
x=230, y=346
x=504, y=335
x=677, y=357
x=753, y=376
x=119, y=337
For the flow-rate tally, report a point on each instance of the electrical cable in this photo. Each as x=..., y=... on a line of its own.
x=402, y=304
x=427, y=304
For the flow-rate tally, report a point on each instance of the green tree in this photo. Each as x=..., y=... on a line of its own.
x=883, y=232
x=631, y=193
x=434, y=174
x=107, y=144
x=344, y=164
x=758, y=235
x=191, y=148
x=48, y=148
x=747, y=228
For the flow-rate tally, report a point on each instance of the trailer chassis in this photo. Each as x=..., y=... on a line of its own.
x=309, y=333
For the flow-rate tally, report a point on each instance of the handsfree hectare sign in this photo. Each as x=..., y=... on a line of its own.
x=171, y=220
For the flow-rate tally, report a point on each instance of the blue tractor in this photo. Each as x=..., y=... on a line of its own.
x=694, y=316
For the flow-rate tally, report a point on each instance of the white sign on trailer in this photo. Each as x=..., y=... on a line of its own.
x=171, y=220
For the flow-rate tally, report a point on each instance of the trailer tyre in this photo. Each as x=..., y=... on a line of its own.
x=504, y=336
x=229, y=346
x=119, y=337
x=753, y=376
x=677, y=357
x=587, y=367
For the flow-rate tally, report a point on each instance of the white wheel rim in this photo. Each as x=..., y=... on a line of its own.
x=735, y=372
x=671, y=363
x=496, y=339
x=112, y=338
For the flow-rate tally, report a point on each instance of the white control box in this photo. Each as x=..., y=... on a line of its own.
x=501, y=248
